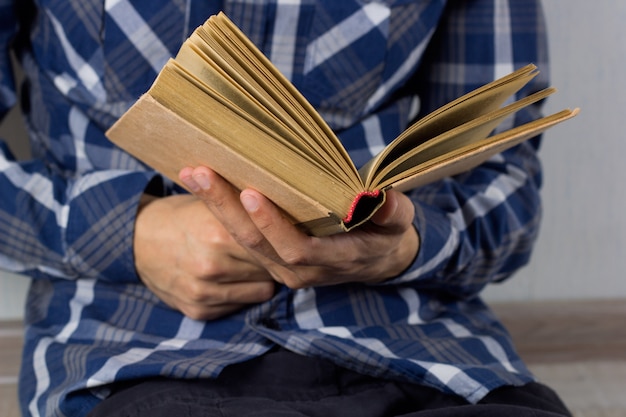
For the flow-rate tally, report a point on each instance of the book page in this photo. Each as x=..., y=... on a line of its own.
x=467, y=107
x=211, y=75
x=461, y=137
x=245, y=136
x=272, y=81
x=471, y=156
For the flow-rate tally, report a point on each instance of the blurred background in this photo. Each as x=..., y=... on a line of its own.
x=581, y=253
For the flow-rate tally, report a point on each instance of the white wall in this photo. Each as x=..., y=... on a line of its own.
x=582, y=248
x=581, y=252
x=13, y=287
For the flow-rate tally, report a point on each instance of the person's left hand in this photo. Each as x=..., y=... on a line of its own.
x=374, y=252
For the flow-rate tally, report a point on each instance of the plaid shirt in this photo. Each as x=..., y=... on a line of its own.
x=67, y=215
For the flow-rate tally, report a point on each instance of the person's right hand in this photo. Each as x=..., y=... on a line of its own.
x=185, y=256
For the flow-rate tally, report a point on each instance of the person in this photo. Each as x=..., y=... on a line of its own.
x=148, y=300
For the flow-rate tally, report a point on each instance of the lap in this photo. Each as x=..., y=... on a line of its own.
x=285, y=384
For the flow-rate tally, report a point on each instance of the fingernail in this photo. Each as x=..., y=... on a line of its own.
x=190, y=184
x=202, y=181
x=249, y=202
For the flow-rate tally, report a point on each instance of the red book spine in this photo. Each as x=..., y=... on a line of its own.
x=355, y=203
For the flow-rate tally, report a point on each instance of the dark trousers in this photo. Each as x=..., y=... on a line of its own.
x=283, y=384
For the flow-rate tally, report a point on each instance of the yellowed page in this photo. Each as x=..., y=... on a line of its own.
x=247, y=139
x=473, y=155
x=148, y=129
x=267, y=73
x=467, y=107
x=210, y=76
x=449, y=142
x=227, y=55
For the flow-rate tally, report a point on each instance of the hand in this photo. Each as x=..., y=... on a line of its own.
x=186, y=257
x=383, y=248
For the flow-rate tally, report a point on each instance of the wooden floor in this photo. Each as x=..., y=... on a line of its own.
x=577, y=348
x=10, y=345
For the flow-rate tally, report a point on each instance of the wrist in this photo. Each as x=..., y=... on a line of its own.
x=408, y=249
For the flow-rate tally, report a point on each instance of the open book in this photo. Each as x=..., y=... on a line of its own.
x=221, y=103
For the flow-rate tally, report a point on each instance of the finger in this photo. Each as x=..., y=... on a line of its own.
x=225, y=268
x=223, y=201
x=219, y=196
x=291, y=246
x=186, y=177
x=212, y=301
x=396, y=215
x=240, y=293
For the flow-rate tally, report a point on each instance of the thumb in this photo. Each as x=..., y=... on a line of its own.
x=396, y=214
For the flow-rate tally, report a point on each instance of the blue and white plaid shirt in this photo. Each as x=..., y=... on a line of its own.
x=67, y=215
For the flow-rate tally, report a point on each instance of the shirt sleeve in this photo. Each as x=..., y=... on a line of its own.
x=68, y=227
x=8, y=30
x=55, y=222
x=479, y=227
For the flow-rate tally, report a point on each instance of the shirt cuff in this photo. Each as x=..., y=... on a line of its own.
x=437, y=244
